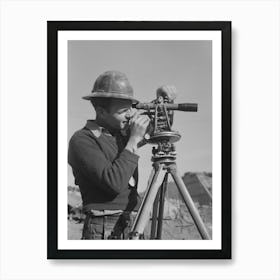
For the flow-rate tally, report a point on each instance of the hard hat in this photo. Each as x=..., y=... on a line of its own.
x=112, y=84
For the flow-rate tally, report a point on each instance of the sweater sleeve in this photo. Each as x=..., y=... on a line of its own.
x=86, y=156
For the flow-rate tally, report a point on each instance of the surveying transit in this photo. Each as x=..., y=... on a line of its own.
x=161, y=112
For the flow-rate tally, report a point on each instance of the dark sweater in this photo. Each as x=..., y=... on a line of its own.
x=102, y=169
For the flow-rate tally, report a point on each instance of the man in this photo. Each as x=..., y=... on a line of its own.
x=104, y=161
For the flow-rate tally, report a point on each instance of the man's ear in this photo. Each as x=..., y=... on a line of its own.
x=100, y=111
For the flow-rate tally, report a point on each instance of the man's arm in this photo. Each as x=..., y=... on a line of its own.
x=86, y=156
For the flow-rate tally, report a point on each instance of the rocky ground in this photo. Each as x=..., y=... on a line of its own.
x=177, y=222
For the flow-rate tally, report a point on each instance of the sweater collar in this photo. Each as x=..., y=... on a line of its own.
x=96, y=129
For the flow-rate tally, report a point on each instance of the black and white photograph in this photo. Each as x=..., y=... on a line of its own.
x=108, y=174
x=140, y=139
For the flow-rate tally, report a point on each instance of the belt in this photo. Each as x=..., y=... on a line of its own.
x=99, y=213
x=122, y=222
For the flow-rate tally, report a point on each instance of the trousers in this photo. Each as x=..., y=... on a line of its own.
x=114, y=226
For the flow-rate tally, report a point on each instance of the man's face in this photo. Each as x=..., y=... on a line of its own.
x=117, y=117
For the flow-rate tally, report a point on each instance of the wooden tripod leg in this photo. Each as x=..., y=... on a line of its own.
x=154, y=222
x=143, y=214
x=189, y=203
x=162, y=192
x=158, y=209
x=154, y=215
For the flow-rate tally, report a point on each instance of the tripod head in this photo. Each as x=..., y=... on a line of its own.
x=159, y=132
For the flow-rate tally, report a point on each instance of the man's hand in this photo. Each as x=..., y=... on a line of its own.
x=167, y=91
x=138, y=127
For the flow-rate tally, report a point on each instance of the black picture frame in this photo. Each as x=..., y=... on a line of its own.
x=53, y=27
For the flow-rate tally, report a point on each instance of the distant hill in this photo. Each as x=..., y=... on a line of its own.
x=199, y=185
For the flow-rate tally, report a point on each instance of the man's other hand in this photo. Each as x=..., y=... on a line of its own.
x=167, y=91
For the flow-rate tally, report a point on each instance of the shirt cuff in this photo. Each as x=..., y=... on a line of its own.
x=130, y=156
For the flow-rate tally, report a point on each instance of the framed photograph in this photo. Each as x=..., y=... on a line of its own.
x=139, y=140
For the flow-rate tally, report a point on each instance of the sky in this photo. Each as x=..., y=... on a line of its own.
x=185, y=64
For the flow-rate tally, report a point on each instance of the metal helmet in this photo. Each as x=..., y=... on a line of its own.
x=112, y=84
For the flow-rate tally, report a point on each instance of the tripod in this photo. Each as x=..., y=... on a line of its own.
x=164, y=163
